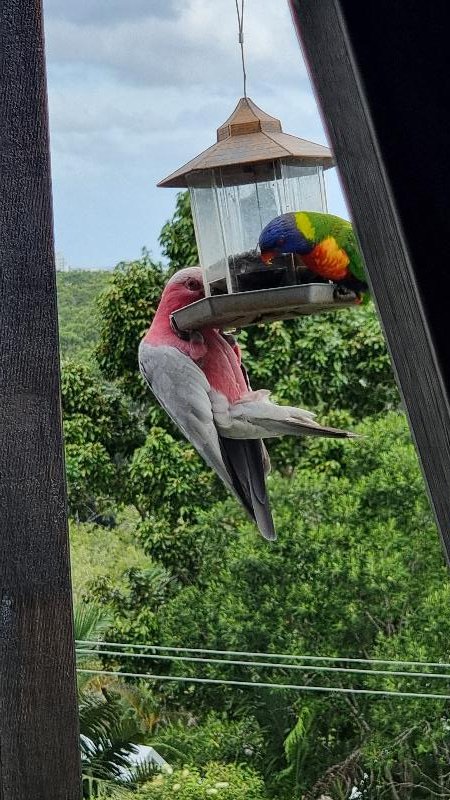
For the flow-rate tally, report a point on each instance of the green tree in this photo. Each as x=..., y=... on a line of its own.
x=100, y=553
x=134, y=604
x=330, y=363
x=101, y=434
x=170, y=486
x=177, y=238
x=356, y=571
x=126, y=309
x=77, y=310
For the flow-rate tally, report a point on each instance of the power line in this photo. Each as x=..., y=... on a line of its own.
x=265, y=665
x=258, y=685
x=343, y=659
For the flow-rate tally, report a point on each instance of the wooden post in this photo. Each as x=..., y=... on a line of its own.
x=39, y=743
x=381, y=75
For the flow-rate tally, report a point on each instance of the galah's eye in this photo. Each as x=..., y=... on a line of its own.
x=193, y=285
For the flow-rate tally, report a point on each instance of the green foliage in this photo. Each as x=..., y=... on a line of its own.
x=126, y=309
x=78, y=321
x=334, y=360
x=90, y=480
x=331, y=363
x=346, y=544
x=177, y=238
x=100, y=435
x=169, y=484
x=356, y=571
x=213, y=738
x=227, y=782
x=166, y=477
x=103, y=554
x=96, y=412
x=296, y=749
x=134, y=604
x=90, y=623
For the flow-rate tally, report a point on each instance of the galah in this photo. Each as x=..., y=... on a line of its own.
x=199, y=380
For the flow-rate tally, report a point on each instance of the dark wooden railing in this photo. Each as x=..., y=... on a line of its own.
x=39, y=745
x=380, y=70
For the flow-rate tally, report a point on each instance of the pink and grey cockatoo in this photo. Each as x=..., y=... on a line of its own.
x=199, y=380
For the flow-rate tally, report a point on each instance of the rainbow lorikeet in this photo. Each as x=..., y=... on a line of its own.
x=326, y=245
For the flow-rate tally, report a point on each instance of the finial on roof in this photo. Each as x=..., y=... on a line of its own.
x=247, y=117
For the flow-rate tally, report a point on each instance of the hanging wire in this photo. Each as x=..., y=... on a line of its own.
x=343, y=659
x=311, y=668
x=240, y=16
x=258, y=685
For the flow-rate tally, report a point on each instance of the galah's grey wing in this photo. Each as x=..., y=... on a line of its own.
x=248, y=463
x=183, y=390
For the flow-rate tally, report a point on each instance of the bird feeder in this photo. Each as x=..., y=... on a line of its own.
x=253, y=173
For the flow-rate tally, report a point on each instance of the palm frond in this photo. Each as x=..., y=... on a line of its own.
x=141, y=773
x=296, y=737
x=97, y=716
x=90, y=624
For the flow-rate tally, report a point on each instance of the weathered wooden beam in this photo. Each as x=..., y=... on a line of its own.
x=39, y=744
x=380, y=70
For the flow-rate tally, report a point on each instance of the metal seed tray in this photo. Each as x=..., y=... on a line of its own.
x=239, y=310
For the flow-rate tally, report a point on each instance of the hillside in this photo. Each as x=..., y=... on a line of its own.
x=78, y=325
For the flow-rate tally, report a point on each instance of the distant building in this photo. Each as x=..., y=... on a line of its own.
x=61, y=264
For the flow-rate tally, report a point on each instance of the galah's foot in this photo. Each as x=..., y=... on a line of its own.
x=197, y=346
x=196, y=337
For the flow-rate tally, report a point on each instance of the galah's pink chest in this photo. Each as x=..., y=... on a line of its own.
x=221, y=367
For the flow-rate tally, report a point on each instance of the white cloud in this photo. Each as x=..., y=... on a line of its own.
x=196, y=45
x=102, y=11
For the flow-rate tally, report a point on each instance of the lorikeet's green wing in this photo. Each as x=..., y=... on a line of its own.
x=351, y=247
x=325, y=225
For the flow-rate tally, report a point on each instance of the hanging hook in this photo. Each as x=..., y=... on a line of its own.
x=240, y=16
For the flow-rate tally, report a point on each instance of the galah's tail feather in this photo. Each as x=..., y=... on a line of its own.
x=245, y=462
x=254, y=416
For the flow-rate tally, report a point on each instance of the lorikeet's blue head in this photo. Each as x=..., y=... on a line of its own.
x=282, y=235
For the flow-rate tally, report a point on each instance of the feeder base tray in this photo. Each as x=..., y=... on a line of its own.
x=241, y=309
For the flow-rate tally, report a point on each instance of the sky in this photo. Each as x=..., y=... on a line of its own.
x=139, y=87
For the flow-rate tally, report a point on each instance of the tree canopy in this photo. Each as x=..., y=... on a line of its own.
x=356, y=572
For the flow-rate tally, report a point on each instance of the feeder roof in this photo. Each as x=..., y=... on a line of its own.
x=249, y=136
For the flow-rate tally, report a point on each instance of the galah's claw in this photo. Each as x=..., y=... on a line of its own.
x=197, y=347
x=196, y=337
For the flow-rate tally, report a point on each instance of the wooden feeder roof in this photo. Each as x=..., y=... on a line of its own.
x=250, y=136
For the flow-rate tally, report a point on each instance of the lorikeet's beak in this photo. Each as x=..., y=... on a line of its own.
x=268, y=256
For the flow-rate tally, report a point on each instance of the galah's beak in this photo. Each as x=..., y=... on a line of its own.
x=268, y=256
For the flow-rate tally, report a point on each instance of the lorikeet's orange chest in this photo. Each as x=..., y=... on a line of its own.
x=328, y=260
